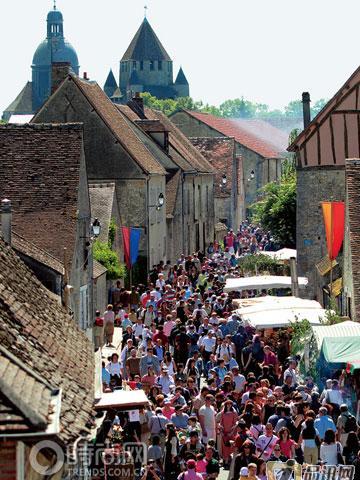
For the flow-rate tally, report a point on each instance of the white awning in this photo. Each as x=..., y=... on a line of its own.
x=283, y=255
x=277, y=312
x=261, y=282
x=122, y=400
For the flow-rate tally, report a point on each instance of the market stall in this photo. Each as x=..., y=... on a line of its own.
x=261, y=282
x=283, y=255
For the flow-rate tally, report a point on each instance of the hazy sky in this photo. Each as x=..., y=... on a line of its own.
x=265, y=50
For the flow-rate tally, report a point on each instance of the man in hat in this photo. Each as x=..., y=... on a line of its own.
x=165, y=381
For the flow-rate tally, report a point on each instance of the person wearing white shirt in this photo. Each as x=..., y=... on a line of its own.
x=165, y=381
x=292, y=372
x=238, y=379
x=266, y=443
x=160, y=282
x=207, y=345
x=138, y=328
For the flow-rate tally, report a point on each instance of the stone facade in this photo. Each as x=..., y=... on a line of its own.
x=108, y=159
x=315, y=185
x=265, y=169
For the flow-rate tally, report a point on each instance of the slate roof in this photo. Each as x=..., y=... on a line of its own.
x=181, y=79
x=352, y=169
x=219, y=151
x=98, y=269
x=145, y=45
x=256, y=135
x=110, y=85
x=28, y=403
x=118, y=126
x=23, y=102
x=102, y=204
x=36, y=329
x=40, y=172
x=172, y=188
x=25, y=247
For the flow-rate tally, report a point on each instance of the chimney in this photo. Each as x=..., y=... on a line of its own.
x=85, y=76
x=306, y=108
x=139, y=102
x=6, y=220
x=59, y=71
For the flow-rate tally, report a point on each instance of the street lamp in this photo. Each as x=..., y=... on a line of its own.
x=160, y=202
x=252, y=176
x=95, y=228
x=223, y=181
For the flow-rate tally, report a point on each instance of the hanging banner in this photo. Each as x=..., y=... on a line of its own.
x=134, y=244
x=126, y=243
x=131, y=240
x=334, y=220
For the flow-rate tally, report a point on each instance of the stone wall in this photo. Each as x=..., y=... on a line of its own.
x=315, y=185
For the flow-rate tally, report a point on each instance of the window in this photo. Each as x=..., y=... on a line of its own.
x=141, y=65
x=134, y=64
x=160, y=65
x=152, y=65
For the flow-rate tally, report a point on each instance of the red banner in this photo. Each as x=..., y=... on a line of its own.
x=126, y=242
x=334, y=220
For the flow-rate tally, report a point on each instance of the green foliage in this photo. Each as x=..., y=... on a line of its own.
x=107, y=257
x=112, y=232
x=301, y=332
x=332, y=315
x=276, y=208
x=254, y=264
x=234, y=108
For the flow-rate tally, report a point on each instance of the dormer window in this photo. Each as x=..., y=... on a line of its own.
x=152, y=65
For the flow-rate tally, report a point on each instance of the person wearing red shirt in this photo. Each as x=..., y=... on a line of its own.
x=160, y=335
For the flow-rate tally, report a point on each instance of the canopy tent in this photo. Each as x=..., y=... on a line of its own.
x=261, y=282
x=339, y=330
x=341, y=350
x=283, y=255
x=122, y=400
x=278, y=312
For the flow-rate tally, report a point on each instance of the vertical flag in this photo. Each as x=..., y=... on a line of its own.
x=131, y=240
x=334, y=220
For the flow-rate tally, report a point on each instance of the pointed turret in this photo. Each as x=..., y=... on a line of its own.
x=181, y=79
x=110, y=84
x=181, y=84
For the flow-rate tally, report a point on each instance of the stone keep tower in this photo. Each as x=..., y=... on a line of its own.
x=147, y=67
x=53, y=49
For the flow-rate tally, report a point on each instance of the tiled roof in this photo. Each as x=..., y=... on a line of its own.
x=23, y=246
x=23, y=102
x=256, y=135
x=40, y=171
x=117, y=124
x=36, y=329
x=145, y=45
x=28, y=403
x=181, y=144
x=352, y=168
x=172, y=187
x=219, y=151
x=101, y=204
x=98, y=269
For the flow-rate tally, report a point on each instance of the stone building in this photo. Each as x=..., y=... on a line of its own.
x=321, y=150
x=43, y=174
x=54, y=49
x=47, y=373
x=146, y=67
x=228, y=183
x=260, y=147
x=189, y=184
x=115, y=152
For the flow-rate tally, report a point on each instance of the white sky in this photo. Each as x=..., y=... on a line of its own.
x=268, y=51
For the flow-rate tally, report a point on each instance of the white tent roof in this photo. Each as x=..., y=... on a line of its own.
x=261, y=282
x=122, y=399
x=343, y=329
x=277, y=312
x=283, y=254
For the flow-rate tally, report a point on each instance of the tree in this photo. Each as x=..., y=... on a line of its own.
x=276, y=209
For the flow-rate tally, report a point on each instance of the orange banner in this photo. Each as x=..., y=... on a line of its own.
x=334, y=220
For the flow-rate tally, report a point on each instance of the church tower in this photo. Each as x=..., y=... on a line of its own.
x=147, y=67
x=53, y=49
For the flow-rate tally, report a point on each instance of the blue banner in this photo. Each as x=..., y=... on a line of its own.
x=134, y=244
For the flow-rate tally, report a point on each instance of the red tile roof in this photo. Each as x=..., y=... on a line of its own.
x=256, y=135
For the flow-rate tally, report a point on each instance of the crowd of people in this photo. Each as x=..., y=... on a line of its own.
x=221, y=395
